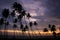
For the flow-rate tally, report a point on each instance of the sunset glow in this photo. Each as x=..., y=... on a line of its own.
x=35, y=32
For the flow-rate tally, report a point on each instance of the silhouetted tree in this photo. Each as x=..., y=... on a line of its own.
x=14, y=26
x=5, y=13
x=49, y=25
x=28, y=15
x=22, y=14
x=53, y=28
x=26, y=27
x=15, y=20
x=30, y=24
x=13, y=13
x=20, y=17
x=1, y=22
x=35, y=24
x=21, y=26
x=45, y=30
x=17, y=7
x=7, y=23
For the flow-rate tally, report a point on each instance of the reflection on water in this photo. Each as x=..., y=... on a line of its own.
x=27, y=33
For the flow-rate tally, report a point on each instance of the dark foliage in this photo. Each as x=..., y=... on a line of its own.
x=13, y=13
x=5, y=13
x=45, y=30
x=1, y=21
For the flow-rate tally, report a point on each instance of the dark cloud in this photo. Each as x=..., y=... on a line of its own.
x=53, y=8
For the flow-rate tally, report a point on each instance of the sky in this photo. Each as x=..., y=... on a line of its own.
x=43, y=11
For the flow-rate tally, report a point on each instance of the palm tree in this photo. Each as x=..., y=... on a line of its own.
x=26, y=27
x=35, y=24
x=1, y=22
x=49, y=25
x=54, y=34
x=15, y=20
x=5, y=14
x=45, y=30
x=14, y=26
x=53, y=28
x=23, y=13
x=13, y=13
x=17, y=7
x=7, y=23
x=20, y=17
x=31, y=25
x=28, y=15
x=21, y=26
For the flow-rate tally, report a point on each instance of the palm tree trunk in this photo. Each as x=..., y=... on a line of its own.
x=38, y=31
x=5, y=29
x=31, y=30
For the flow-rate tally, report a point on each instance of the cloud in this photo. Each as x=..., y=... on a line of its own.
x=53, y=8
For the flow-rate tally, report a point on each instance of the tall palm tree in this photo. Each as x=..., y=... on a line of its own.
x=5, y=14
x=53, y=29
x=30, y=23
x=35, y=24
x=14, y=26
x=22, y=13
x=18, y=7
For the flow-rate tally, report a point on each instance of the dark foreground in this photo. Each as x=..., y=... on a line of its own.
x=29, y=37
